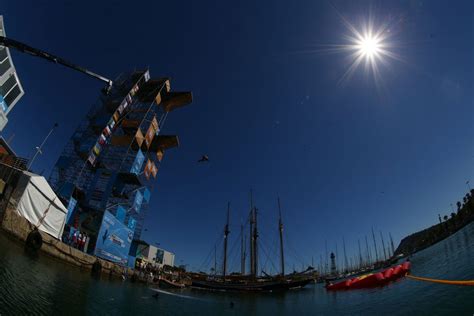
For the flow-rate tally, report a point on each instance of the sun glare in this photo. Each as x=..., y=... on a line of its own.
x=369, y=46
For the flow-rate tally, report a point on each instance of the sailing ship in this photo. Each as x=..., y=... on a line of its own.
x=252, y=282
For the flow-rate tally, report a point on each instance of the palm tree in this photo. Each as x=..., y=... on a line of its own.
x=445, y=217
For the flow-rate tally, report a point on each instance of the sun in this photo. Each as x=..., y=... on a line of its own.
x=369, y=46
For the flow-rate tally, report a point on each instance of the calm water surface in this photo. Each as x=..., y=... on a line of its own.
x=45, y=286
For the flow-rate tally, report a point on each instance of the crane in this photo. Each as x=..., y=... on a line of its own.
x=24, y=48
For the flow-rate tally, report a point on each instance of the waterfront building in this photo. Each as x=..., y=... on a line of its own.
x=10, y=87
x=106, y=171
x=164, y=258
x=155, y=256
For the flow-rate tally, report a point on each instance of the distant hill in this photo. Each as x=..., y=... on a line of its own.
x=448, y=225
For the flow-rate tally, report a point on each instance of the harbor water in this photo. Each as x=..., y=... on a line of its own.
x=42, y=285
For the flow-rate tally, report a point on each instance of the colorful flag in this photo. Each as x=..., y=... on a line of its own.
x=148, y=169
x=159, y=155
x=154, y=170
x=139, y=137
x=154, y=123
x=138, y=163
x=92, y=159
x=150, y=134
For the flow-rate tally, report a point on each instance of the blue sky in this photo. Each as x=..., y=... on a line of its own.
x=269, y=110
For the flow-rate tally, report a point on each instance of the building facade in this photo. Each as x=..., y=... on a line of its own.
x=10, y=87
x=106, y=171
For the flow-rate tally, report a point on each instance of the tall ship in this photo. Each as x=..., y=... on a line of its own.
x=253, y=281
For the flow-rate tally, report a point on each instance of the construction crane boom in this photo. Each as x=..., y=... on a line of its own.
x=24, y=48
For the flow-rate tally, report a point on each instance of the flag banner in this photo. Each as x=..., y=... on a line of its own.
x=154, y=170
x=139, y=137
x=137, y=203
x=154, y=123
x=97, y=148
x=138, y=163
x=116, y=117
x=129, y=98
x=147, y=76
x=111, y=124
x=92, y=159
x=148, y=168
x=70, y=209
x=159, y=155
x=120, y=214
x=150, y=134
x=146, y=195
x=132, y=223
x=107, y=132
x=102, y=140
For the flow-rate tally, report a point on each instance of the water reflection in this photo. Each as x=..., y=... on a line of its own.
x=40, y=285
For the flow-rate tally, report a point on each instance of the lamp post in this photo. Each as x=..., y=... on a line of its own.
x=40, y=148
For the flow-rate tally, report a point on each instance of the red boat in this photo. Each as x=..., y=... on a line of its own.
x=372, y=280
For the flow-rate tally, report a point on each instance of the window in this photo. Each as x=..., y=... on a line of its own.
x=5, y=66
x=13, y=95
x=8, y=85
x=3, y=53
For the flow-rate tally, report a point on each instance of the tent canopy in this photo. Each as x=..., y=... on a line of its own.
x=41, y=207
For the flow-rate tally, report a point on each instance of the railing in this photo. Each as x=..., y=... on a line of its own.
x=14, y=162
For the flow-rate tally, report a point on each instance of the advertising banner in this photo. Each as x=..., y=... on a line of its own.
x=160, y=254
x=70, y=209
x=132, y=223
x=138, y=163
x=114, y=240
x=3, y=104
x=146, y=195
x=137, y=203
x=120, y=214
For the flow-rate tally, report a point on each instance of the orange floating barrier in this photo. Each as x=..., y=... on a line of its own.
x=372, y=280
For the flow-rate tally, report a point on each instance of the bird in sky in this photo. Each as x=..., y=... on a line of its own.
x=204, y=158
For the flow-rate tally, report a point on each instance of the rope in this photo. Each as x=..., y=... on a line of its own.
x=466, y=282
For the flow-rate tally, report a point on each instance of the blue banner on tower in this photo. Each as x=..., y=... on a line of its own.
x=132, y=223
x=70, y=208
x=146, y=195
x=114, y=240
x=138, y=163
x=137, y=204
x=120, y=214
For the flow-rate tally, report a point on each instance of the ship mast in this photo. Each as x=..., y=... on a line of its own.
x=242, y=250
x=252, y=252
x=375, y=246
x=391, y=243
x=383, y=246
x=368, y=250
x=280, y=226
x=255, y=243
x=346, y=263
x=360, y=255
x=226, y=234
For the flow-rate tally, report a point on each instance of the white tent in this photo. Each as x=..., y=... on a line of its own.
x=41, y=207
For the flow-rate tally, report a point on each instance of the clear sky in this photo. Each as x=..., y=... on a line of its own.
x=270, y=111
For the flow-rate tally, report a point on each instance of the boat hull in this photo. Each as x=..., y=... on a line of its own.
x=251, y=286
